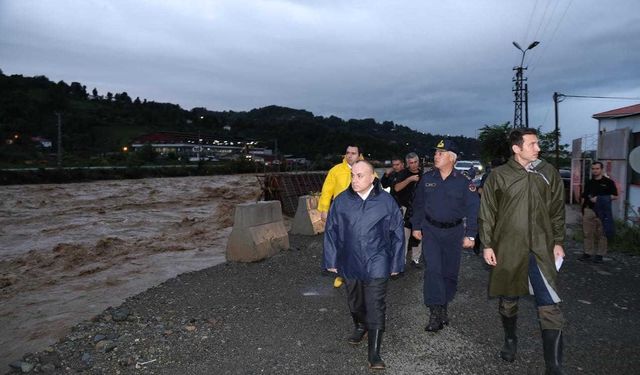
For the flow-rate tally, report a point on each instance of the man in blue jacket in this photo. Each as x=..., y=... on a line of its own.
x=363, y=243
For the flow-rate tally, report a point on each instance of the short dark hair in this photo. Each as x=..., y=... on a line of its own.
x=516, y=136
x=356, y=146
x=598, y=163
x=367, y=163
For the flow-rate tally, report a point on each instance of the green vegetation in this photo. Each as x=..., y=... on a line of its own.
x=96, y=127
x=494, y=144
x=627, y=238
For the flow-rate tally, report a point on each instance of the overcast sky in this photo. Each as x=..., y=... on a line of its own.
x=435, y=66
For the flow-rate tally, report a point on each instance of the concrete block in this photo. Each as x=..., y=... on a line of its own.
x=258, y=232
x=307, y=220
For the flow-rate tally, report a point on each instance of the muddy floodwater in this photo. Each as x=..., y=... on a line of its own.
x=68, y=251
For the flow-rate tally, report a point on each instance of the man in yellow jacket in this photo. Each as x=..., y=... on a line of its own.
x=337, y=180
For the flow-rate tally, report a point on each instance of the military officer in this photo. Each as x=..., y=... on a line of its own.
x=443, y=199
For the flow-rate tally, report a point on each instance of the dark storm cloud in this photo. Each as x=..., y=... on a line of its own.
x=441, y=67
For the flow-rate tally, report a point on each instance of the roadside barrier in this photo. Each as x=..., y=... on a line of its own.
x=307, y=221
x=258, y=232
x=287, y=187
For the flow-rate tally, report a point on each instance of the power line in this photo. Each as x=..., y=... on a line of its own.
x=535, y=36
x=553, y=34
x=597, y=97
x=549, y=20
x=526, y=35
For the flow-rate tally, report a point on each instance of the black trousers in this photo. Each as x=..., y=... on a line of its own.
x=366, y=300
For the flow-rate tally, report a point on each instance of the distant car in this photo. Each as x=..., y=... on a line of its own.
x=464, y=165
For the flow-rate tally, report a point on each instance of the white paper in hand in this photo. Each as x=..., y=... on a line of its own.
x=559, y=261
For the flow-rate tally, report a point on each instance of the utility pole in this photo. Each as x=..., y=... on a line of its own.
x=556, y=99
x=59, y=139
x=518, y=101
x=521, y=90
x=526, y=104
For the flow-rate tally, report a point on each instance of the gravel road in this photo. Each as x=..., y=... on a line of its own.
x=282, y=316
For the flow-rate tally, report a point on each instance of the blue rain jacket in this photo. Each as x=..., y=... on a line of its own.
x=363, y=238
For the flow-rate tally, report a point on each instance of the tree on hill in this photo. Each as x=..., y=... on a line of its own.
x=28, y=105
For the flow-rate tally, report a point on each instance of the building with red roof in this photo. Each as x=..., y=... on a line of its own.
x=619, y=151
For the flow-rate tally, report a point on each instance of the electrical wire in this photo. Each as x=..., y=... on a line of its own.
x=526, y=34
x=598, y=97
x=544, y=14
x=549, y=42
x=549, y=20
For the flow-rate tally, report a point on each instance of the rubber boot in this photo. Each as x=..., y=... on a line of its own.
x=552, y=345
x=435, y=323
x=359, y=331
x=375, y=340
x=444, y=316
x=510, y=347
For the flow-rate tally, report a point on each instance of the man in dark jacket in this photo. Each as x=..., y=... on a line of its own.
x=522, y=229
x=598, y=193
x=391, y=175
x=444, y=199
x=405, y=190
x=363, y=243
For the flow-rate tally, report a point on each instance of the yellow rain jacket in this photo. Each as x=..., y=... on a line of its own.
x=337, y=180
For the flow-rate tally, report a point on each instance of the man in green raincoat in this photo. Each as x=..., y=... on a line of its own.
x=522, y=228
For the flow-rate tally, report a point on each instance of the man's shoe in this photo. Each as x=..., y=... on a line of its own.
x=435, y=323
x=337, y=283
x=358, y=334
x=584, y=257
x=416, y=264
x=597, y=259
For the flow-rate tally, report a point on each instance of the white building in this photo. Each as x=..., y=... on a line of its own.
x=619, y=151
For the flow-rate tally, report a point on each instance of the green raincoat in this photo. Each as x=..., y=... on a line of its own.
x=521, y=212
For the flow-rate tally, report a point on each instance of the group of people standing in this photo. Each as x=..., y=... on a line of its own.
x=370, y=233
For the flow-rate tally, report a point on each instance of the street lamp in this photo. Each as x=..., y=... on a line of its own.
x=521, y=89
x=531, y=46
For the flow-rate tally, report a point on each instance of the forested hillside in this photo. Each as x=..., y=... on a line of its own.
x=97, y=125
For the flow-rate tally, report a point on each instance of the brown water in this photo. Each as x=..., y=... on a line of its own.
x=68, y=251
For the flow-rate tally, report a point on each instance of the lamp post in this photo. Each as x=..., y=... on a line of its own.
x=557, y=98
x=521, y=90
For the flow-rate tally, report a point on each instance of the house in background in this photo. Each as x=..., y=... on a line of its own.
x=619, y=151
x=196, y=147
